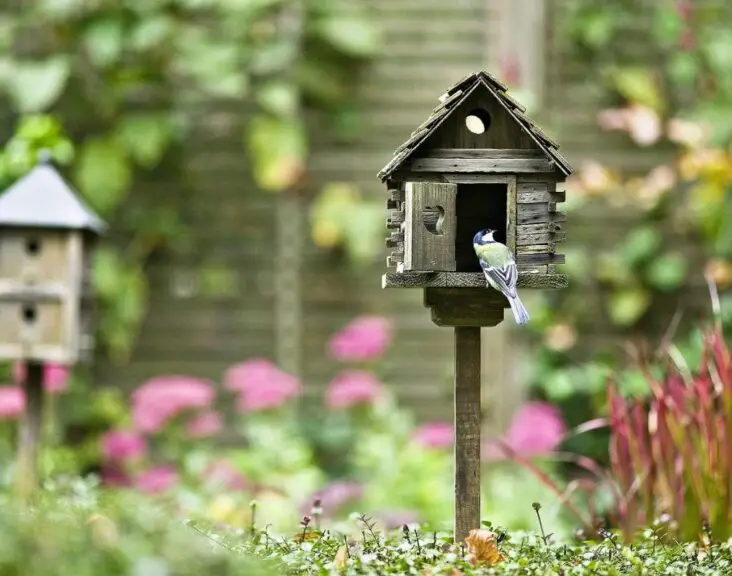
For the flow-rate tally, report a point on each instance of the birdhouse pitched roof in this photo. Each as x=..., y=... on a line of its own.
x=42, y=199
x=455, y=96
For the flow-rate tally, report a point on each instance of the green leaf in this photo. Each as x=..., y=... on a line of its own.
x=639, y=245
x=104, y=41
x=637, y=85
x=667, y=26
x=277, y=149
x=627, y=306
x=106, y=272
x=151, y=32
x=278, y=98
x=145, y=137
x=350, y=34
x=273, y=57
x=683, y=68
x=667, y=272
x=103, y=173
x=596, y=28
x=37, y=85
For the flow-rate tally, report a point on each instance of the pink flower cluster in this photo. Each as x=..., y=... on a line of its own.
x=161, y=399
x=352, y=388
x=55, y=376
x=204, y=425
x=12, y=402
x=537, y=429
x=156, y=480
x=260, y=385
x=223, y=473
x=365, y=338
x=334, y=496
x=435, y=435
x=120, y=446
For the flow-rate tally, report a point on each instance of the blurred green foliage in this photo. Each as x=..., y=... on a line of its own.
x=664, y=70
x=126, y=77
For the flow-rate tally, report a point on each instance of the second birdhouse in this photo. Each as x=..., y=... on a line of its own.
x=46, y=234
x=477, y=162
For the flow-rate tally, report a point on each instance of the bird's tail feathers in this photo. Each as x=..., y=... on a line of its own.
x=519, y=312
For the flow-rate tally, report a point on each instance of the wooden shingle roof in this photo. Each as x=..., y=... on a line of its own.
x=455, y=96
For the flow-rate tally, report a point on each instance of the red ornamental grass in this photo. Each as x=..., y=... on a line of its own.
x=671, y=454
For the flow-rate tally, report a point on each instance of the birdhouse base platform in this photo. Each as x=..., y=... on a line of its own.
x=530, y=280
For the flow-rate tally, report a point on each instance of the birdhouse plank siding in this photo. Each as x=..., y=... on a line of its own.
x=502, y=173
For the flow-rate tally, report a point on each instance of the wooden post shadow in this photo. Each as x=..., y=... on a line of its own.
x=476, y=162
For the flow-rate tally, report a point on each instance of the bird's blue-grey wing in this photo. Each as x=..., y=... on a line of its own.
x=504, y=277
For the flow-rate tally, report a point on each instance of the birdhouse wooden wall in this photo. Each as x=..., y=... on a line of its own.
x=41, y=273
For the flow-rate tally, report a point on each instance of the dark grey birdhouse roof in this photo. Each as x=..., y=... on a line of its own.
x=42, y=199
x=452, y=99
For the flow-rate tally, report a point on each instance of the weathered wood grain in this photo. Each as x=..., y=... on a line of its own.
x=529, y=192
x=465, y=306
x=542, y=247
x=500, y=166
x=395, y=238
x=467, y=416
x=540, y=228
x=525, y=239
x=394, y=218
x=511, y=214
x=30, y=433
x=537, y=258
x=484, y=153
x=425, y=249
x=468, y=280
x=537, y=213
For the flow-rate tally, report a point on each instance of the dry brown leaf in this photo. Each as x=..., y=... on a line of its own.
x=341, y=557
x=307, y=536
x=483, y=549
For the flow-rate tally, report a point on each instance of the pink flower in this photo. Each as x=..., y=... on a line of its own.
x=536, y=429
x=334, y=496
x=123, y=445
x=160, y=399
x=204, y=425
x=261, y=385
x=12, y=402
x=55, y=376
x=365, y=338
x=156, y=480
x=435, y=435
x=351, y=388
x=224, y=473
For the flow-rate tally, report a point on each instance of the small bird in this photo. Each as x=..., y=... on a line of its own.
x=499, y=267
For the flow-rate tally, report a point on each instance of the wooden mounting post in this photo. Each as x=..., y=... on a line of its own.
x=30, y=430
x=466, y=310
x=467, y=419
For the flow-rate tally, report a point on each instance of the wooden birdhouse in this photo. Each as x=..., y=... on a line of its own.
x=477, y=162
x=46, y=238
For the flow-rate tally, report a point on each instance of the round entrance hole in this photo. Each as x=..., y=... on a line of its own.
x=29, y=314
x=478, y=121
x=433, y=218
x=33, y=245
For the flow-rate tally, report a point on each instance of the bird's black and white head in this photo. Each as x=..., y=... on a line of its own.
x=484, y=237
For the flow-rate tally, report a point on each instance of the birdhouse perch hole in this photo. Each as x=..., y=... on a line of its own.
x=33, y=246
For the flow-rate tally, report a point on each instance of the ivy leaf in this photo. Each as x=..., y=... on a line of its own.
x=145, y=137
x=637, y=85
x=350, y=34
x=627, y=306
x=104, y=41
x=278, y=149
x=278, y=98
x=640, y=245
x=667, y=272
x=103, y=173
x=37, y=85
